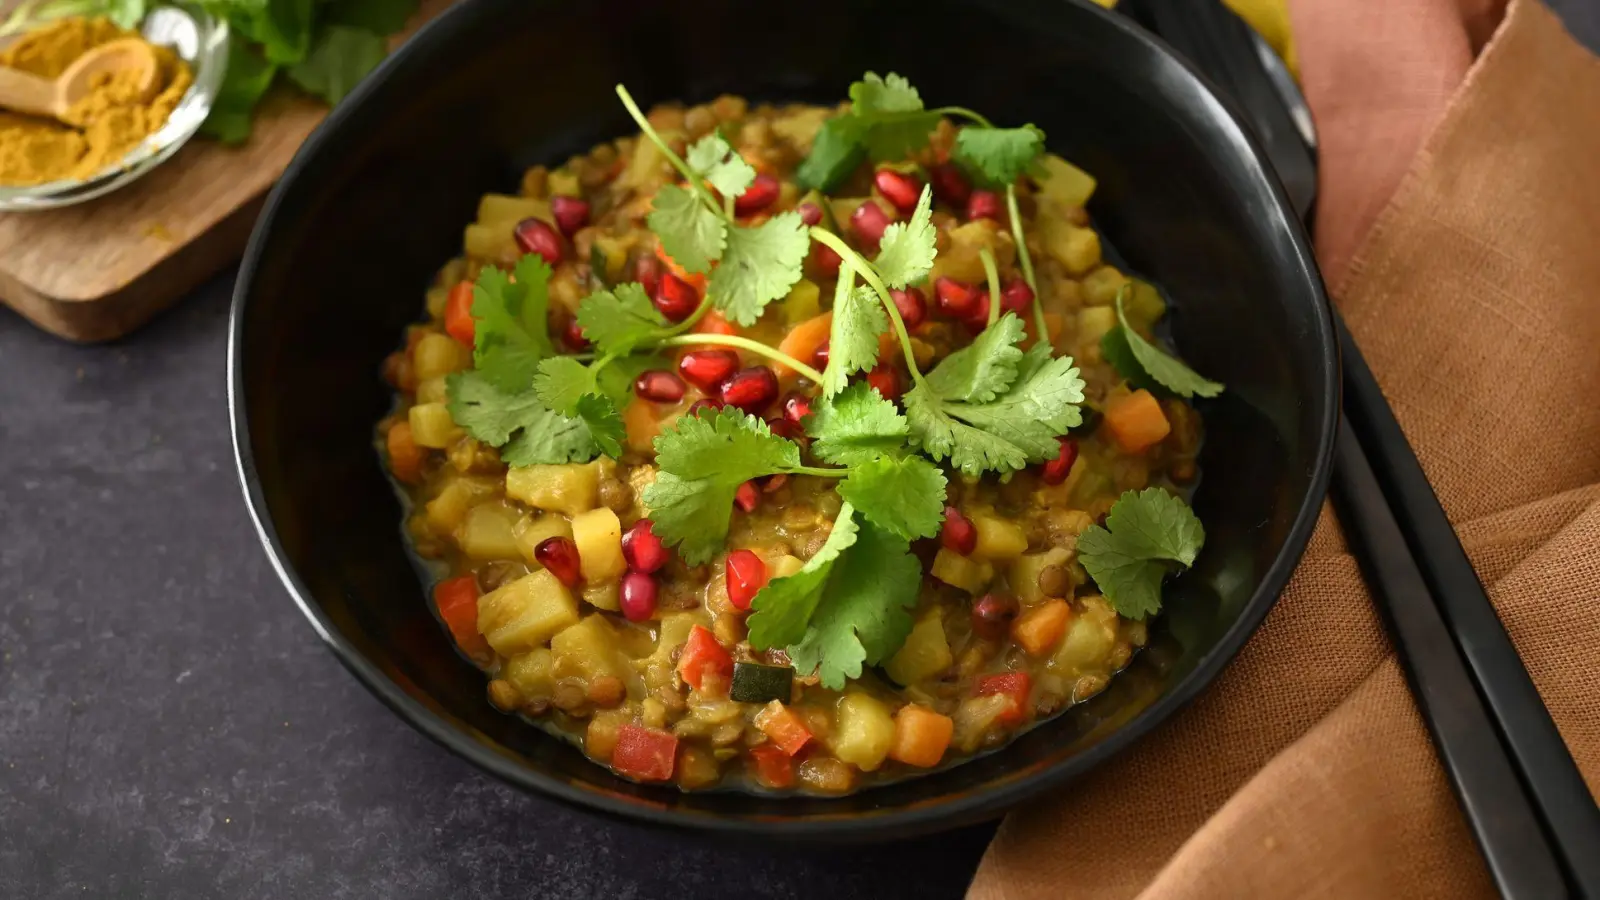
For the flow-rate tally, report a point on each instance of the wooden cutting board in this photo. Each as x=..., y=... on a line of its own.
x=98, y=270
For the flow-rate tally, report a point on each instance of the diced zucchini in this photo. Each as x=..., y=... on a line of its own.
x=531, y=532
x=489, y=242
x=925, y=653
x=525, y=613
x=1090, y=637
x=862, y=731
x=803, y=302
x=1065, y=183
x=606, y=595
x=437, y=355
x=569, y=489
x=500, y=209
x=611, y=254
x=1100, y=287
x=598, y=534
x=589, y=649
x=756, y=683
x=488, y=533
x=963, y=572
x=431, y=426
x=1024, y=575
x=449, y=509
x=531, y=673
x=998, y=540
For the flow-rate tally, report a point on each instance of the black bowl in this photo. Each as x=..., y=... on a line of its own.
x=376, y=201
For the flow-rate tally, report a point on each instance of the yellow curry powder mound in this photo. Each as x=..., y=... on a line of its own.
x=112, y=120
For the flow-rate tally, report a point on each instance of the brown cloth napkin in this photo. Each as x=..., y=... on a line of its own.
x=1459, y=224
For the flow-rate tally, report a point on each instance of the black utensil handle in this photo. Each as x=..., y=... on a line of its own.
x=1551, y=775
x=1490, y=793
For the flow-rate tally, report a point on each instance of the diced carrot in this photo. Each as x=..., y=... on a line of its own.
x=405, y=457
x=458, y=321
x=1136, y=422
x=1016, y=686
x=644, y=753
x=803, y=340
x=641, y=425
x=1039, y=630
x=713, y=323
x=920, y=736
x=457, y=600
x=774, y=768
x=698, y=279
x=783, y=727
x=702, y=655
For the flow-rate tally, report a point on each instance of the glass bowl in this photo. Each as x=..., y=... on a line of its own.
x=202, y=42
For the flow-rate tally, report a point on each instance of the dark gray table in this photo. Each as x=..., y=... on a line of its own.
x=170, y=726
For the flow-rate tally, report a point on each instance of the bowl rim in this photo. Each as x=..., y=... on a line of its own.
x=962, y=808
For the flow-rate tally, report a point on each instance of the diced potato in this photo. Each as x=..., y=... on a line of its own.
x=564, y=183
x=434, y=390
x=1143, y=305
x=1039, y=629
x=437, y=355
x=675, y=629
x=648, y=166
x=962, y=260
x=438, y=297
x=800, y=128
x=1089, y=640
x=606, y=595
x=975, y=716
x=803, y=302
x=1093, y=323
x=783, y=566
x=499, y=209
x=531, y=532
x=598, y=534
x=1024, y=575
x=447, y=510
x=696, y=768
x=569, y=489
x=431, y=426
x=588, y=649
x=863, y=731
x=525, y=613
x=1065, y=183
x=998, y=540
x=531, y=673
x=1101, y=286
x=925, y=653
x=963, y=572
x=491, y=242
x=1077, y=249
x=487, y=533
x=600, y=737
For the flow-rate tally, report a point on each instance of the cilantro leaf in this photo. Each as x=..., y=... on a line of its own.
x=865, y=611
x=561, y=381
x=855, y=426
x=902, y=495
x=875, y=94
x=511, y=330
x=892, y=110
x=620, y=319
x=761, y=263
x=1130, y=555
x=692, y=235
x=526, y=432
x=599, y=414
x=1136, y=358
x=999, y=156
x=338, y=60
x=703, y=459
x=381, y=16
x=782, y=609
x=858, y=319
x=837, y=151
x=906, y=250
x=712, y=159
x=982, y=370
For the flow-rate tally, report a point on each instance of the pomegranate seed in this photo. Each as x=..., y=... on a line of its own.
x=826, y=260
x=819, y=357
x=886, y=381
x=956, y=299
x=950, y=185
x=912, y=305
x=869, y=220
x=706, y=369
x=570, y=213
x=676, y=298
x=747, y=497
x=751, y=390
x=746, y=575
x=1055, y=471
x=992, y=615
x=789, y=431
x=1016, y=296
x=638, y=596
x=560, y=556
x=796, y=406
x=573, y=335
x=958, y=534
x=979, y=320
x=898, y=188
x=642, y=549
x=647, y=271
x=772, y=483
x=659, y=386
x=983, y=205
x=758, y=196
x=536, y=236
x=810, y=213
x=701, y=405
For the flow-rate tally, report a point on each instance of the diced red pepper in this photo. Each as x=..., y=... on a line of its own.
x=783, y=727
x=458, y=321
x=457, y=599
x=774, y=767
x=644, y=754
x=1017, y=686
x=702, y=654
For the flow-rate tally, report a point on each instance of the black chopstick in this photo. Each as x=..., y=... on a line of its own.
x=1536, y=748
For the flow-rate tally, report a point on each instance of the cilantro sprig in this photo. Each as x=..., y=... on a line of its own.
x=1146, y=536
x=1142, y=362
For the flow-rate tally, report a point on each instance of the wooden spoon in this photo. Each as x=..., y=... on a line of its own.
x=37, y=96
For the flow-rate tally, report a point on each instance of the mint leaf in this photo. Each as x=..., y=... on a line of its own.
x=337, y=61
x=561, y=381
x=837, y=151
x=998, y=156
x=782, y=609
x=618, y=320
x=1132, y=553
x=865, y=611
x=982, y=370
x=712, y=159
x=692, y=235
x=902, y=495
x=858, y=319
x=906, y=251
x=244, y=82
x=761, y=263
x=855, y=426
x=511, y=331
x=1136, y=358
x=526, y=432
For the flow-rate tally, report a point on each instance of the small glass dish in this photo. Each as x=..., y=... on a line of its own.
x=201, y=41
